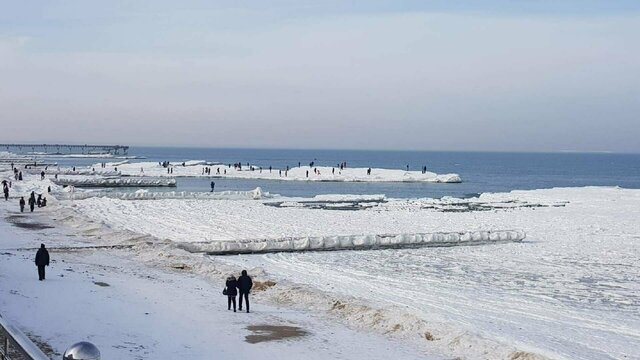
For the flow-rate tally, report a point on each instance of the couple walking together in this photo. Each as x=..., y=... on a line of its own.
x=243, y=284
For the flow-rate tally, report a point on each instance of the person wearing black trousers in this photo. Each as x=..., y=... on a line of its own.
x=244, y=285
x=42, y=260
x=232, y=291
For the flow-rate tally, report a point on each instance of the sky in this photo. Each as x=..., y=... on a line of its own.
x=417, y=75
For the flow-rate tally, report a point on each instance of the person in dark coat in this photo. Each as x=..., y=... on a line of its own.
x=32, y=201
x=42, y=260
x=231, y=284
x=39, y=200
x=213, y=185
x=244, y=286
x=22, y=204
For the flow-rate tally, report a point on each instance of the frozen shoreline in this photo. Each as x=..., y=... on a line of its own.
x=567, y=291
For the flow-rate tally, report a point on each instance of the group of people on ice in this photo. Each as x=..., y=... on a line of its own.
x=41, y=201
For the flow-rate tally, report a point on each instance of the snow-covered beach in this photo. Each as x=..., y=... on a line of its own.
x=568, y=290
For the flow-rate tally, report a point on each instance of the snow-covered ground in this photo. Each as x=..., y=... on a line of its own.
x=304, y=173
x=570, y=290
x=133, y=310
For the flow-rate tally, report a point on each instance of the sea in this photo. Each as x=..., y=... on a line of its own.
x=480, y=171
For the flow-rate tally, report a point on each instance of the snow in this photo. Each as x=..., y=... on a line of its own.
x=133, y=310
x=569, y=291
x=323, y=173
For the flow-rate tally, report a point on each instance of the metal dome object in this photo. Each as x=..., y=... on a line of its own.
x=82, y=351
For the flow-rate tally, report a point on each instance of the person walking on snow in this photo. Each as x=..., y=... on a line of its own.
x=244, y=286
x=231, y=292
x=42, y=260
x=22, y=203
x=213, y=185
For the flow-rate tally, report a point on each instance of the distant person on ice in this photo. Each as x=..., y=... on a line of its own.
x=213, y=185
x=244, y=286
x=32, y=201
x=22, y=204
x=42, y=260
x=231, y=292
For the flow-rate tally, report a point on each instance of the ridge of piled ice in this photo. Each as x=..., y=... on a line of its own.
x=355, y=242
x=142, y=194
x=116, y=182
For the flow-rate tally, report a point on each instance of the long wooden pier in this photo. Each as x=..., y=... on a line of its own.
x=66, y=149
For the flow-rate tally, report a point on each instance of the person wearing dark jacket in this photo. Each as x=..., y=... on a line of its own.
x=231, y=284
x=42, y=260
x=32, y=201
x=22, y=204
x=244, y=286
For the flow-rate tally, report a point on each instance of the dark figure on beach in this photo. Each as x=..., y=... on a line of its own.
x=42, y=175
x=213, y=185
x=20, y=176
x=407, y=167
x=5, y=189
x=22, y=203
x=48, y=189
x=232, y=291
x=32, y=201
x=307, y=173
x=42, y=260
x=44, y=202
x=244, y=286
x=39, y=200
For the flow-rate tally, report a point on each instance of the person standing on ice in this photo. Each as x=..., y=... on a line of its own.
x=5, y=189
x=42, y=175
x=213, y=185
x=231, y=292
x=244, y=286
x=22, y=203
x=42, y=260
x=32, y=201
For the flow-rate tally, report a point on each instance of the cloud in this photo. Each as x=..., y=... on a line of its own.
x=384, y=80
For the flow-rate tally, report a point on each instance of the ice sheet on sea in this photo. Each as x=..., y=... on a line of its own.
x=349, y=197
x=194, y=168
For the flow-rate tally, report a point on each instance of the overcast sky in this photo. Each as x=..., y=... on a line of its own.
x=424, y=75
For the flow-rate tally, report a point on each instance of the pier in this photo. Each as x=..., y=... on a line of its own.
x=65, y=149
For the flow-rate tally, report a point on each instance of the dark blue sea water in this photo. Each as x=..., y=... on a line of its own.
x=480, y=171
